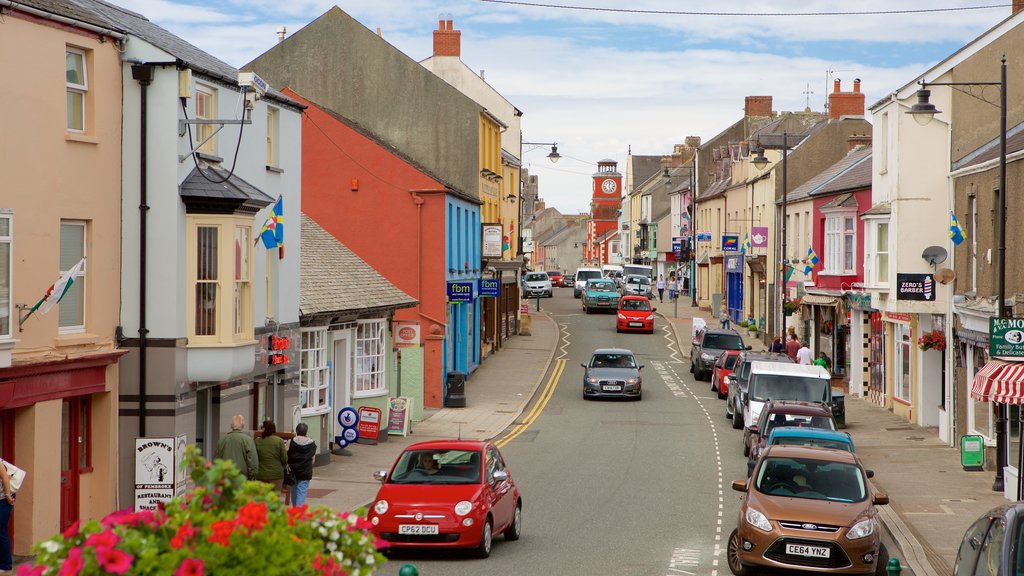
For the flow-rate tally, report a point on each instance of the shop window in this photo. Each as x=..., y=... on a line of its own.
x=901, y=390
x=314, y=376
x=981, y=413
x=368, y=358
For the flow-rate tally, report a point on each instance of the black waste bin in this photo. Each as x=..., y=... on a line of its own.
x=455, y=390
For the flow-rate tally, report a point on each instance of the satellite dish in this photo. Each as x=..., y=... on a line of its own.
x=944, y=276
x=934, y=255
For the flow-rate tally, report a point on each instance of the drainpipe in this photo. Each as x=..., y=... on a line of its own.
x=143, y=73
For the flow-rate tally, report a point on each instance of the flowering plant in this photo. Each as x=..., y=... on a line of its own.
x=225, y=525
x=790, y=306
x=934, y=340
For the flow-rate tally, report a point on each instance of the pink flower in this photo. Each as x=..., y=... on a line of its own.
x=190, y=567
x=113, y=560
x=71, y=565
x=26, y=570
x=105, y=539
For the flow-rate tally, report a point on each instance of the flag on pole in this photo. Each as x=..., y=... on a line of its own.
x=272, y=233
x=746, y=244
x=811, y=261
x=956, y=233
x=789, y=272
x=57, y=290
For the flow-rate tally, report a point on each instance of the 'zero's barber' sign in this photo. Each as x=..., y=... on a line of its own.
x=915, y=287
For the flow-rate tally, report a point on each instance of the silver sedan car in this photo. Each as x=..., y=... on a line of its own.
x=613, y=373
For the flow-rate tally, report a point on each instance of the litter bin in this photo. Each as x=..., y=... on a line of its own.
x=839, y=407
x=455, y=390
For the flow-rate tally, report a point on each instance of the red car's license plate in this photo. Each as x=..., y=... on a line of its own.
x=636, y=324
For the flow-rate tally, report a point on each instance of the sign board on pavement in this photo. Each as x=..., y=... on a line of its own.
x=1006, y=337
x=369, y=423
x=154, y=472
x=399, y=409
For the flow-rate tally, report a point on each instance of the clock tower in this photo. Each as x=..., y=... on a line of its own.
x=604, y=209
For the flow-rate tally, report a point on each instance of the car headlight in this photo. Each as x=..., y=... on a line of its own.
x=463, y=508
x=728, y=380
x=593, y=380
x=865, y=527
x=706, y=357
x=381, y=507
x=632, y=380
x=758, y=520
x=649, y=318
x=622, y=316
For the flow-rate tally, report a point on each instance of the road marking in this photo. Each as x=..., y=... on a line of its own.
x=670, y=336
x=564, y=328
x=549, y=390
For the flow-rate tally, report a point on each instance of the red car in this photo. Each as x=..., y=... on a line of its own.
x=557, y=278
x=635, y=314
x=721, y=374
x=447, y=494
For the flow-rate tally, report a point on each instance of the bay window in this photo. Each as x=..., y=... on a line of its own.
x=220, y=279
x=840, y=240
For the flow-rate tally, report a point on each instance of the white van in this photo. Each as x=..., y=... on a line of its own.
x=641, y=269
x=582, y=275
x=782, y=381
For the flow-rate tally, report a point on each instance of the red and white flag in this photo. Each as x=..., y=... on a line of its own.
x=58, y=289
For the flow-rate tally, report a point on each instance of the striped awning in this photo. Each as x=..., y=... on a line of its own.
x=1000, y=382
x=818, y=300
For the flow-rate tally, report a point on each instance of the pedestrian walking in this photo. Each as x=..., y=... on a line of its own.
x=803, y=355
x=272, y=456
x=6, y=510
x=301, y=451
x=672, y=286
x=792, y=346
x=723, y=317
x=823, y=361
x=239, y=447
x=680, y=285
x=777, y=346
x=661, y=287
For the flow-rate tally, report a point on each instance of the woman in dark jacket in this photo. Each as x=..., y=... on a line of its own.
x=301, y=451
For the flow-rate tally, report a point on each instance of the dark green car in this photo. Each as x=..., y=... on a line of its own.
x=600, y=294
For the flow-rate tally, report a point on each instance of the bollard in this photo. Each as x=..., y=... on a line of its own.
x=893, y=567
x=408, y=570
x=538, y=303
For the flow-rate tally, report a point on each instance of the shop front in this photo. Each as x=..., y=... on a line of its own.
x=859, y=342
x=829, y=334
x=734, y=286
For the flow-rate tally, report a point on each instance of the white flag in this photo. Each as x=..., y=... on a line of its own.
x=59, y=288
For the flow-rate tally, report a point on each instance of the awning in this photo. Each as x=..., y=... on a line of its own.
x=1000, y=382
x=818, y=300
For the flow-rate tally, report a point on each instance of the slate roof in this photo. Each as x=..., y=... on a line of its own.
x=72, y=10
x=824, y=181
x=510, y=159
x=878, y=210
x=558, y=236
x=715, y=189
x=138, y=25
x=234, y=188
x=990, y=151
x=334, y=280
x=644, y=166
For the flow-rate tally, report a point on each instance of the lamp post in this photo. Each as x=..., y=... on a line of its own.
x=760, y=162
x=554, y=156
x=693, y=231
x=923, y=111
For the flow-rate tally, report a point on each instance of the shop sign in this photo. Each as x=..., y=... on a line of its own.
x=461, y=291
x=399, y=409
x=915, y=287
x=759, y=237
x=734, y=263
x=407, y=334
x=1006, y=337
x=347, y=430
x=369, y=423
x=489, y=287
x=730, y=242
x=900, y=317
x=859, y=300
x=154, y=472
x=703, y=236
x=492, y=236
x=677, y=248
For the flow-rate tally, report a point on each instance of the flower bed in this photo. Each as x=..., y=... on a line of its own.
x=225, y=525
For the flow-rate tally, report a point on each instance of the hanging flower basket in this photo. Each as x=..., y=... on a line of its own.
x=790, y=306
x=934, y=340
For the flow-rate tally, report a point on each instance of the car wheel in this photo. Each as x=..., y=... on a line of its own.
x=586, y=310
x=483, y=550
x=714, y=387
x=737, y=419
x=882, y=562
x=515, y=529
x=746, y=447
x=617, y=329
x=720, y=395
x=736, y=566
x=691, y=363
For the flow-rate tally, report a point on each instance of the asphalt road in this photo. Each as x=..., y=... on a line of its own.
x=615, y=487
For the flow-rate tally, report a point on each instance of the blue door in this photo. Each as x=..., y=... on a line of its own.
x=734, y=295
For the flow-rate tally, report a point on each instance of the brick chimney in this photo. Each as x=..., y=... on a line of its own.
x=855, y=140
x=1018, y=6
x=759, y=105
x=694, y=141
x=447, y=40
x=845, y=103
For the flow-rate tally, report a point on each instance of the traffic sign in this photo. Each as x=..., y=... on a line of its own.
x=1006, y=337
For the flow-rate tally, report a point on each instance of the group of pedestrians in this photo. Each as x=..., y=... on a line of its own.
x=798, y=351
x=268, y=458
x=677, y=285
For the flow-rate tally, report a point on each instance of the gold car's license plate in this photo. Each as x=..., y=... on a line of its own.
x=611, y=388
x=808, y=551
x=417, y=529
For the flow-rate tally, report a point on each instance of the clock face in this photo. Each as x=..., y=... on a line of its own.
x=608, y=186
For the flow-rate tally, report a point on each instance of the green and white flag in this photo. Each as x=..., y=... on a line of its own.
x=58, y=289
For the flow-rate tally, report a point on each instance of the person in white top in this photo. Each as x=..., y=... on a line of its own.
x=661, y=287
x=803, y=355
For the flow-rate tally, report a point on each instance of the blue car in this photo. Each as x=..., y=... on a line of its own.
x=818, y=437
x=600, y=294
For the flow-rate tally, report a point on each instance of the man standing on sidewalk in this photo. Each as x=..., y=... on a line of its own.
x=792, y=347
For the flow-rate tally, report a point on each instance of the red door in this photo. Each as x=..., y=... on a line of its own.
x=73, y=456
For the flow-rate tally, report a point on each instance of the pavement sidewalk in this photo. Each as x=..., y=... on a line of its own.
x=496, y=395
x=932, y=499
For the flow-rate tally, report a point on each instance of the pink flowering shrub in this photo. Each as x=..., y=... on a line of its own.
x=225, y=525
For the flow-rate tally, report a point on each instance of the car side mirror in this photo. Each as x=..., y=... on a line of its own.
x=641, y=367
x=499, y=475
x=754, y=430
x=739, y=485
x=747, y=348
x=654, y=309
x=583, y=365
x=880, y=499
x=870, y=473
x=380, y=475
x=750, y=467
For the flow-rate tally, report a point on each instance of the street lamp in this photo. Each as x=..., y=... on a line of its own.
x=760, y=161
x=923, y=111
x=554, y=156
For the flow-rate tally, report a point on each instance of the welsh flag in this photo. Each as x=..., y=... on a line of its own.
x=58, y=289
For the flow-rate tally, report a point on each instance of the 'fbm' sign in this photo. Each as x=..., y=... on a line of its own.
x=461, y=291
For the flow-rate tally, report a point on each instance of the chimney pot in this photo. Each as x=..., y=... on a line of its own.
x=856, y=85
x=837, y=82
x=450, y=25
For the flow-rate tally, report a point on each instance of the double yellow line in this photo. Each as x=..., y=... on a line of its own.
x=538, y=407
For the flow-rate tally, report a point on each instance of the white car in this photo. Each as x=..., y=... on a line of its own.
x=537, y=284
x=782, y=381
x=582, y=275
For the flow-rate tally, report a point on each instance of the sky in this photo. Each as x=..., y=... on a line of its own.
x=604, y=78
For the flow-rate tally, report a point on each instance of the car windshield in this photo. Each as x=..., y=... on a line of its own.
x=536, y=277
x=809, y=441
x=779, y=420
x=811, y=479
x=601, y=287
x=585, y=275
x=783, y=387
x=723, y=342
x=554, y=273
x=638, y=280
x=437, y=467
x=613, y=361
x=730, y=361
x=636, y=304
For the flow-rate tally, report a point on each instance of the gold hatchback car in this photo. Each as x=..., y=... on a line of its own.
x=808, y=509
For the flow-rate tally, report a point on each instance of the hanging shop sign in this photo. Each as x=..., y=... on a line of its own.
x=677, y=248
x=730, y=242
x=492, y=237
x=703, y=236
x=489, y=287
x=915, y=287
x=407, y=334
x=461, y=291
x=759, y=237
x=1006, y=337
